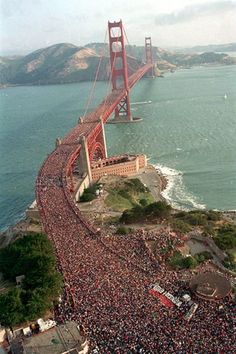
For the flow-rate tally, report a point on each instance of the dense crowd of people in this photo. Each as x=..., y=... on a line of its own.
x=108, y=277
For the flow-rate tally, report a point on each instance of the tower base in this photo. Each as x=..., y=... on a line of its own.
x=124, y=119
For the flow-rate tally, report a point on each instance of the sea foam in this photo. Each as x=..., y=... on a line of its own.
x=176, y=193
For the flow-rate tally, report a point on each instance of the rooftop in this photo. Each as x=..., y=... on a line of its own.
x=210, y=285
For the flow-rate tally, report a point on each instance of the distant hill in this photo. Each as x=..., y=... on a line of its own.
x=187, y=60
x=67, y=63
x=229, y=47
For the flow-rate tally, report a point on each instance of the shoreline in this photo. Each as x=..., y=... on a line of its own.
x=25, y=224
x=161, y=75
x=153, y=177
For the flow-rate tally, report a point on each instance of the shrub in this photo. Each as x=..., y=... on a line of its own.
x=143, y=202
x=189, y=262
x=87, y=197
x=209, y=231
x=226, y=237
x=124, y=194
x=180, y=226
x=89, y=193
x=180, y=262
x=203, y=256
x=139, y=213
x=213, y=215
x=225, y=242
x=176, y=260
x=122, y=230
x=158, y=209
x=194, y=217
x=136, y=185
x=135, y=214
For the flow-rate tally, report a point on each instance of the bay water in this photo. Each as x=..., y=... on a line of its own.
x=188, y=131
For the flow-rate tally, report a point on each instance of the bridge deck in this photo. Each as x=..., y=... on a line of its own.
x=74, y=238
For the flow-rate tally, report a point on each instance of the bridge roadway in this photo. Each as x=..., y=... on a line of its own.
x=54, y=170
x=62, y=220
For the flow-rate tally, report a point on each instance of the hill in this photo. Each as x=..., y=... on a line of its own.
x=229, y=47
x=67, y=63
x=60, y=63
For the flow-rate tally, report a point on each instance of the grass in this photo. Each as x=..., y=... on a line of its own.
x=117, y=202
x=126, y=194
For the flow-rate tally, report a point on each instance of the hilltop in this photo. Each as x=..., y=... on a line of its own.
x=67, y=63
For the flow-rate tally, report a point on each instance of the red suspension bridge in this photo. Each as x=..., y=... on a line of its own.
x=61, y=219
x=87, y=138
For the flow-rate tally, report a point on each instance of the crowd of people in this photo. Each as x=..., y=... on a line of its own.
x=107, y=280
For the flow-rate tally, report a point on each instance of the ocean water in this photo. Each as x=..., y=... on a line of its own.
x=188, y=131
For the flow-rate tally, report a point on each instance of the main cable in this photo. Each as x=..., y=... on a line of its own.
x=95, y=80
x=110, y=77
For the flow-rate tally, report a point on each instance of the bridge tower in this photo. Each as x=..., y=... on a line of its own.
x=149, y=57
x=119, y=69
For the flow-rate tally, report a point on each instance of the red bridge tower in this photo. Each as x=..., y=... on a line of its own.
x=119, y=70
x=149, y=58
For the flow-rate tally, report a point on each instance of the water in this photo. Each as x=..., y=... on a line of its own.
x=188, y=131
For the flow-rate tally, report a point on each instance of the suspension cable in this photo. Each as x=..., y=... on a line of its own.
x=140, y=65
x=110, y=78
x=95, y=80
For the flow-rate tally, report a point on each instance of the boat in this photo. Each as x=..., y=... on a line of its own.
x=225, y=96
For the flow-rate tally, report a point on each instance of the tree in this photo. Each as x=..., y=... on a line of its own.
x=36, y=305
x=33, y=257
x=11, y=308
x=143, y=202
x=189, y=262
x=158, y=209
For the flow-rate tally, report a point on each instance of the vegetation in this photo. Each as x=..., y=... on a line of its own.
x=153, y=211
x=180, y=226
x=33, y=257
x=127, y=194
x=89, y=193
x=123, y=230
x=225, y=238
x=202, y=256
x=199, y=217
x=178, y=261
x=229, y=261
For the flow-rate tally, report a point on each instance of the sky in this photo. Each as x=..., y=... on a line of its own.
x=27, y=25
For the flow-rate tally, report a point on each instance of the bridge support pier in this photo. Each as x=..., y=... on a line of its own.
x=83, y=159
x=104, y=137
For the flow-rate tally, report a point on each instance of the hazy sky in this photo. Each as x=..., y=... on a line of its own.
x=27, y=25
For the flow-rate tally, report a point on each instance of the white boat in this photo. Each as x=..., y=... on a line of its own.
x=225, y=96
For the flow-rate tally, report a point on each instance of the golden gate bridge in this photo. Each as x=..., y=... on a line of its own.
x=61, y=218
x=88, y=138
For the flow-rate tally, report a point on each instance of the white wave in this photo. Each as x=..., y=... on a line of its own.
x=141, y=102
x=176, y=192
